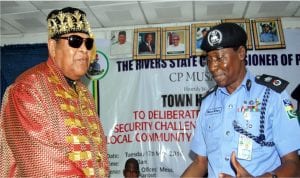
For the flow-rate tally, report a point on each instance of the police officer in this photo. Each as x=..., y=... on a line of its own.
x=267, y=35
x=246, y=126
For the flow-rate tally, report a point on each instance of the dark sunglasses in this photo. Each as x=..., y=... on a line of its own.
x=76, y=41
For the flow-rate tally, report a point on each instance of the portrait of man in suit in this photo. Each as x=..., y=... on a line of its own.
x=147, y=43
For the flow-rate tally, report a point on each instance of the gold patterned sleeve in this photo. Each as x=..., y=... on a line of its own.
x=7, y=162
x=32, y=143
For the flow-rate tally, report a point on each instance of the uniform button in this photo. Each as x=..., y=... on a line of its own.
x=227, y=158
x=227, y=133
x=230, y=106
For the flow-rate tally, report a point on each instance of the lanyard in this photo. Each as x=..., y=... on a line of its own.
x=261, y=139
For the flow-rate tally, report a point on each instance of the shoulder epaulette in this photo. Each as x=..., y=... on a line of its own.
x=208, y=92
x=275, y=83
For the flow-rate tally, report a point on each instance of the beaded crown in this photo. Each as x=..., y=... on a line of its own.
x=67, y=20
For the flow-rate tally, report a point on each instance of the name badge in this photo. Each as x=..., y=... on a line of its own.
x=213, y=111
x=244, y=148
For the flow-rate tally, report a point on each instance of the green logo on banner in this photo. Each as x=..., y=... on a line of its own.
x=99, y=68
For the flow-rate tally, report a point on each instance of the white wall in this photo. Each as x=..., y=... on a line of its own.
x=101, y=33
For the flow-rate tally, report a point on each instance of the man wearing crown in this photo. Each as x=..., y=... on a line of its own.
x=48, y=125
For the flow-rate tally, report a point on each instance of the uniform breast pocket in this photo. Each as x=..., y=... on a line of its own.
x=252, y=123
x=213, y=133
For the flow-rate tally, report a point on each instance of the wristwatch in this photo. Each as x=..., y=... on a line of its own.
x=273, y=175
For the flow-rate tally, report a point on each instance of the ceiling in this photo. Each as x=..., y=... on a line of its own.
x=25, y=17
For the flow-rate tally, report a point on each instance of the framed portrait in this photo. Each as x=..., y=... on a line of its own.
x=175, y=42
x=245, y=24
x=121, y=43
x=199, y=31
x=146, y=43
x=268, y=33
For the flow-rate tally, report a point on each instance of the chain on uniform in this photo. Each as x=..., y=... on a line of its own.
x=261, y=138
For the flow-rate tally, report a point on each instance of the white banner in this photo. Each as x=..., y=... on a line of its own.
x=148, y=107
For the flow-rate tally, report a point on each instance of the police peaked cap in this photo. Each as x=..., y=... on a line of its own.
x=224, y=35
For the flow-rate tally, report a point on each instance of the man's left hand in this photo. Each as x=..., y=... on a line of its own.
x=240, y=171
